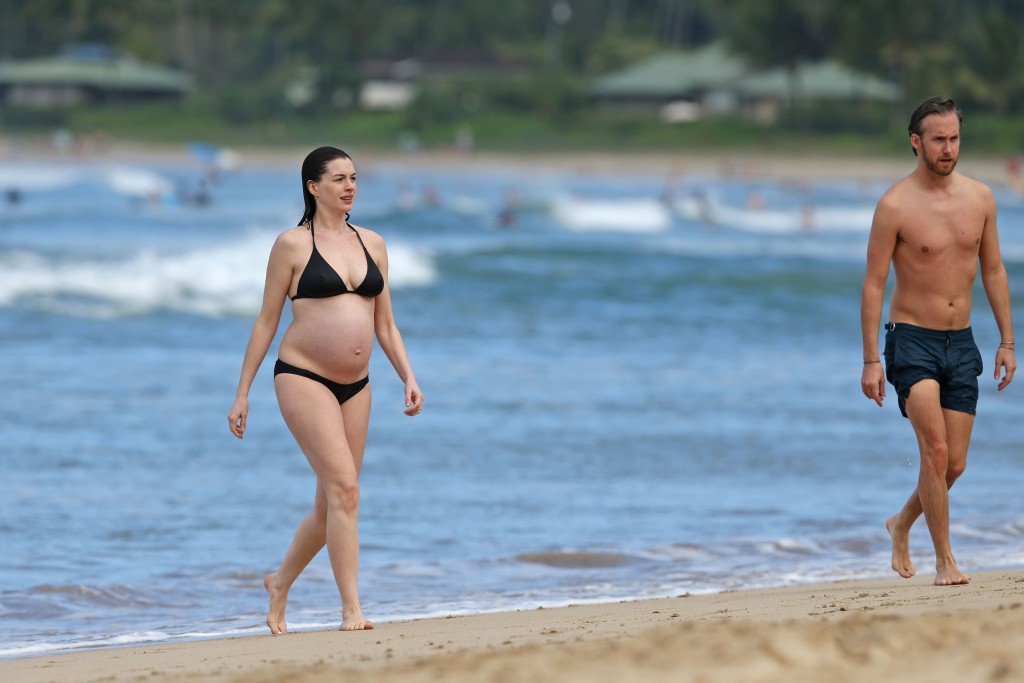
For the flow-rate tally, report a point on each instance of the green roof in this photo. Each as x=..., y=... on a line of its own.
x=119, y=73
x=820, y=81
x=674, y=73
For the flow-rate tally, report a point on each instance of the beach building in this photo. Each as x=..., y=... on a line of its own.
x=763, y=94
x=681, y=85
x=88, y=74
x=711, y=81
x=391, y=85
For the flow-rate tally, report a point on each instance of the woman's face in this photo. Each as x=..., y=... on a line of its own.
x=336, y=189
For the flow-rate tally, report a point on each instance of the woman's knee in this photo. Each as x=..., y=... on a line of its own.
x=342, y=495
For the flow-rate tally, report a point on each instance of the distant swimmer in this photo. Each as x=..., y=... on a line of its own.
x=199, y=197
x=508, y=214
x=336, y=275
x=705, y=212
x=933, y=227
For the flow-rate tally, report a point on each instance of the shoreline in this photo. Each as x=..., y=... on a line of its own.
x=756, y=165
x=625, y=637
x=855, y=631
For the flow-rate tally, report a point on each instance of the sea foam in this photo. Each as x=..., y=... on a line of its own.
x=225, y=279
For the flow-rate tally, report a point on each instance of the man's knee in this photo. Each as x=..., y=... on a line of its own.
x=954, y=470
x=935, y=454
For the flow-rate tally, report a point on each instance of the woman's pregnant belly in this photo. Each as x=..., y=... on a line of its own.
x=332, y=337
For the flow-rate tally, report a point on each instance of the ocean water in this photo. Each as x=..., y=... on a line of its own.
x=631, y=392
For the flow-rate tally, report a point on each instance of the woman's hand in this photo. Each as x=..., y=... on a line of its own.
x=413, y=398
x=236, y=418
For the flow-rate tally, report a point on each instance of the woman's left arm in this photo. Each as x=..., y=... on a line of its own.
x=388, y=336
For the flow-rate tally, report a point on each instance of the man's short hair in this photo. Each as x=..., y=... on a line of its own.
x=933, y=105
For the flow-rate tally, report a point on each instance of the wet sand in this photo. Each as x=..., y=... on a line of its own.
x=852, y=631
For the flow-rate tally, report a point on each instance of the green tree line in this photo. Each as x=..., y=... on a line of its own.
x=245, y=53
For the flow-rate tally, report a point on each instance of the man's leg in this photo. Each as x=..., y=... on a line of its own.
x=958, y=438
x=942, y=438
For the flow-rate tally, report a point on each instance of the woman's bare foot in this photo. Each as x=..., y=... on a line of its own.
x=901, y=563
x=355, y=622
x=278, y=601
x=949, y=575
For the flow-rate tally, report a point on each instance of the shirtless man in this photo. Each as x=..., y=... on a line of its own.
x=934, y=227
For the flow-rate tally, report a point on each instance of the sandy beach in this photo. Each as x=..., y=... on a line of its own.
x=844, y=632
x=773, y=165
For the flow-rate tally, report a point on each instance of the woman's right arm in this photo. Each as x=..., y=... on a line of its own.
x=275, y=291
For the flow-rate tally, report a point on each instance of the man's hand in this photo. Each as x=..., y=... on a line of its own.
x=1006, y=361
x=872, y=382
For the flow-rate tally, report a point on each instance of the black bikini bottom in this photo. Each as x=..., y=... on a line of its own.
x=342, y=392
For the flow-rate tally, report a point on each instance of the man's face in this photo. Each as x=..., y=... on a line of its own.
x=939, y=142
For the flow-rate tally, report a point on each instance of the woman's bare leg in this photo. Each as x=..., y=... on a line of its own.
x=309, y=539
x=333, y=438
x=356, y=416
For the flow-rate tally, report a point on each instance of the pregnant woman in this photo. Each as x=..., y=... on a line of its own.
x=336, y=275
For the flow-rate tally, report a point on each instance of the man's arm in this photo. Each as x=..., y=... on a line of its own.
x=881, y=245
x=997, y=289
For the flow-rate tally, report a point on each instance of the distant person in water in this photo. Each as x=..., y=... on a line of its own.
x=336, y=274
x=934, y=227
x=508, y=214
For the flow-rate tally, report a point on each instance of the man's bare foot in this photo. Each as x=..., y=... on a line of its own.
x=901, y=563
x=278, y=601
x=356, y=622
x=950, y=576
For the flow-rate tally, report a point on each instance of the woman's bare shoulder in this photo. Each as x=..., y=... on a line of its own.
x=290, y=245
x=369, y=236
x=293, y=237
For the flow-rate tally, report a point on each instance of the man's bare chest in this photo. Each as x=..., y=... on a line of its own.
x=937, y=231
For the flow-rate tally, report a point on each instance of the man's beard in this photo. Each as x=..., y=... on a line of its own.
x=935, y=167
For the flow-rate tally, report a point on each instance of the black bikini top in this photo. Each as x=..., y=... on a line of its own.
x=319, y=280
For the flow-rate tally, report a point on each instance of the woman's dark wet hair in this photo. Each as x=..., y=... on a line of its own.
x=313, y=168
x=933, y=105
